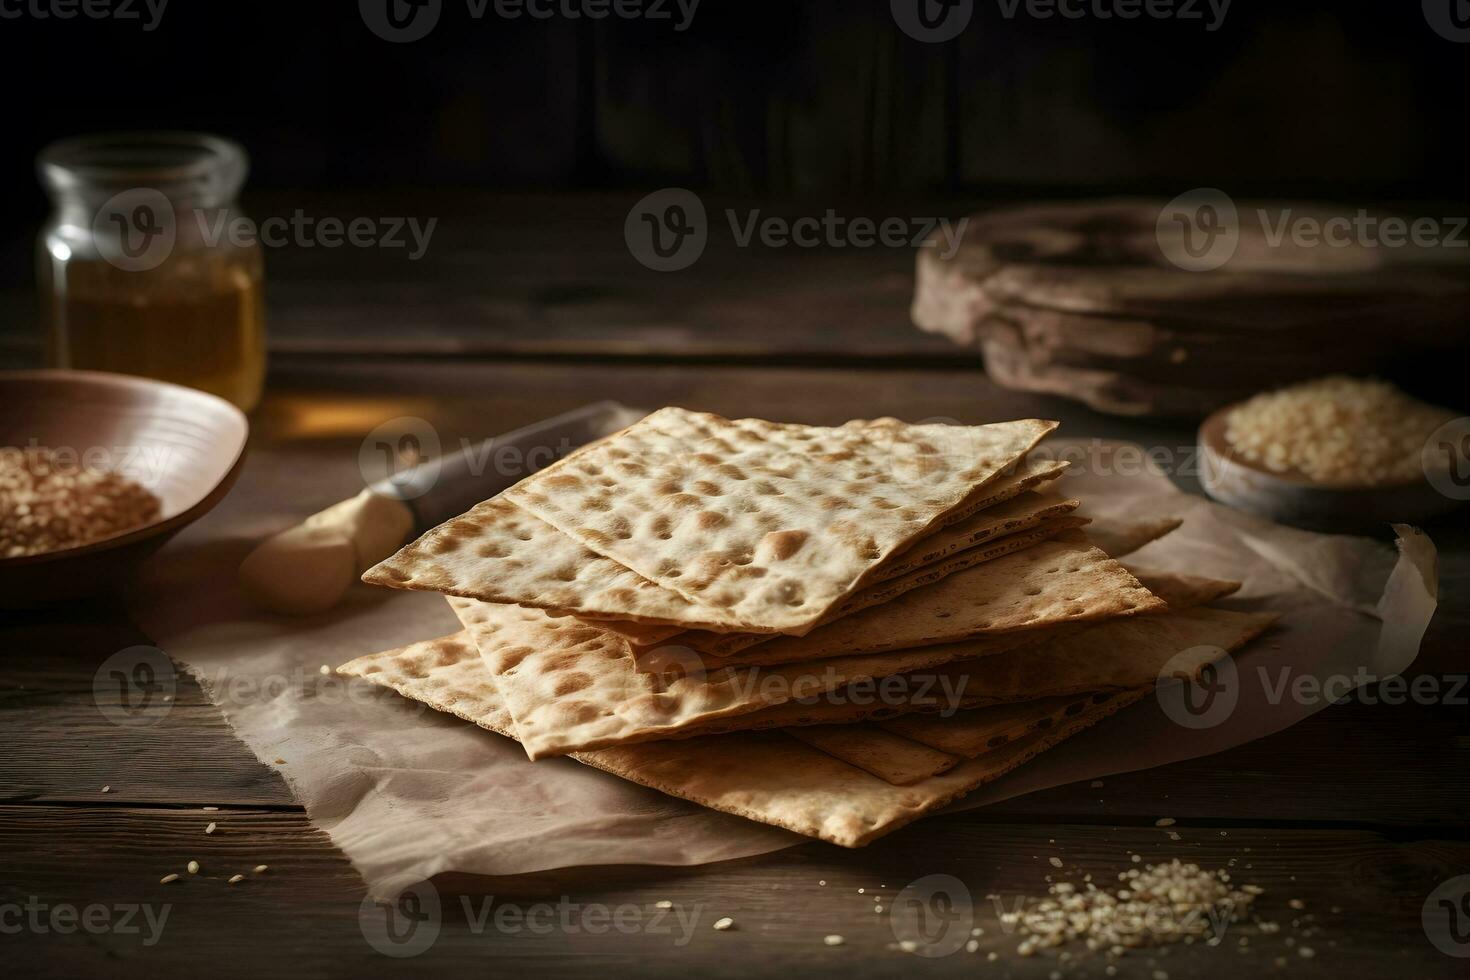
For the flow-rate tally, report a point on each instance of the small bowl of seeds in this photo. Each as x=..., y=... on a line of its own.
x=1337, y=454
x=98, y=471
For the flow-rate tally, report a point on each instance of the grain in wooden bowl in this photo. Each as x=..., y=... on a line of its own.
x=120, y=440
x=1336, y=454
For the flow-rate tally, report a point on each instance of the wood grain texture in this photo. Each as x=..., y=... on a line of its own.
x=1360, y=895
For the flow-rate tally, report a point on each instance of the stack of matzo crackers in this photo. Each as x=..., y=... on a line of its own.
x=833, y=630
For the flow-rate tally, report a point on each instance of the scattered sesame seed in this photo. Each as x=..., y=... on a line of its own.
x=280, y=762
x=1055, y=862
x=663, y=904
x=977, y=931
x=325, y=670
x=833, y=940
x=992, y=956
x=822, y=882
x=1164, y=822
x=1297, y=904
x=210, y=828
x=860, y=891
x=193, y=867
x=261, y=869
x=972, y=945
x=107, y=789
x=167, y=878
x=878, y=909
x=724, y=923
x=210, y=808
x=236, y=879
x=1116, y=921
x=908, y=945
x=1097, y=784
x=1306, y=952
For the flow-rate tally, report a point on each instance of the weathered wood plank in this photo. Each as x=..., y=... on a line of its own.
x=842, y=101
x=551, y=275
x=1361, y=897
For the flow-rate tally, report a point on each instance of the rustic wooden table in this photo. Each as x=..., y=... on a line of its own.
x=1358, y=814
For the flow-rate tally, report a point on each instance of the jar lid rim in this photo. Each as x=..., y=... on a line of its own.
x=153, y=155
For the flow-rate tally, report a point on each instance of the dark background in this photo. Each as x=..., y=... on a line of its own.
x=812, y=103
x=756, y=96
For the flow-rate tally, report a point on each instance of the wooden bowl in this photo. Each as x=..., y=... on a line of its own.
x=1291, y=497
x=185, y=446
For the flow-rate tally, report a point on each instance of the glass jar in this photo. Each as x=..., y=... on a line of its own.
x=139, y=271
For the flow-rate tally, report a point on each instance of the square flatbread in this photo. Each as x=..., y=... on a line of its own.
x=1121, y=656
x=1115, y=538
x=764, y=776
x=570, y=686
x=1044, y=521
x=769, y=524
x=1064, y=579
x=1007, y=509
x=1056, y=662
x=498, y=552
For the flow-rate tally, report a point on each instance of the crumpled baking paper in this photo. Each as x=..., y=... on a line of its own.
x=407, y=792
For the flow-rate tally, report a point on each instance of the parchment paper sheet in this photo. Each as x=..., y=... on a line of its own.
x=407, y=792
